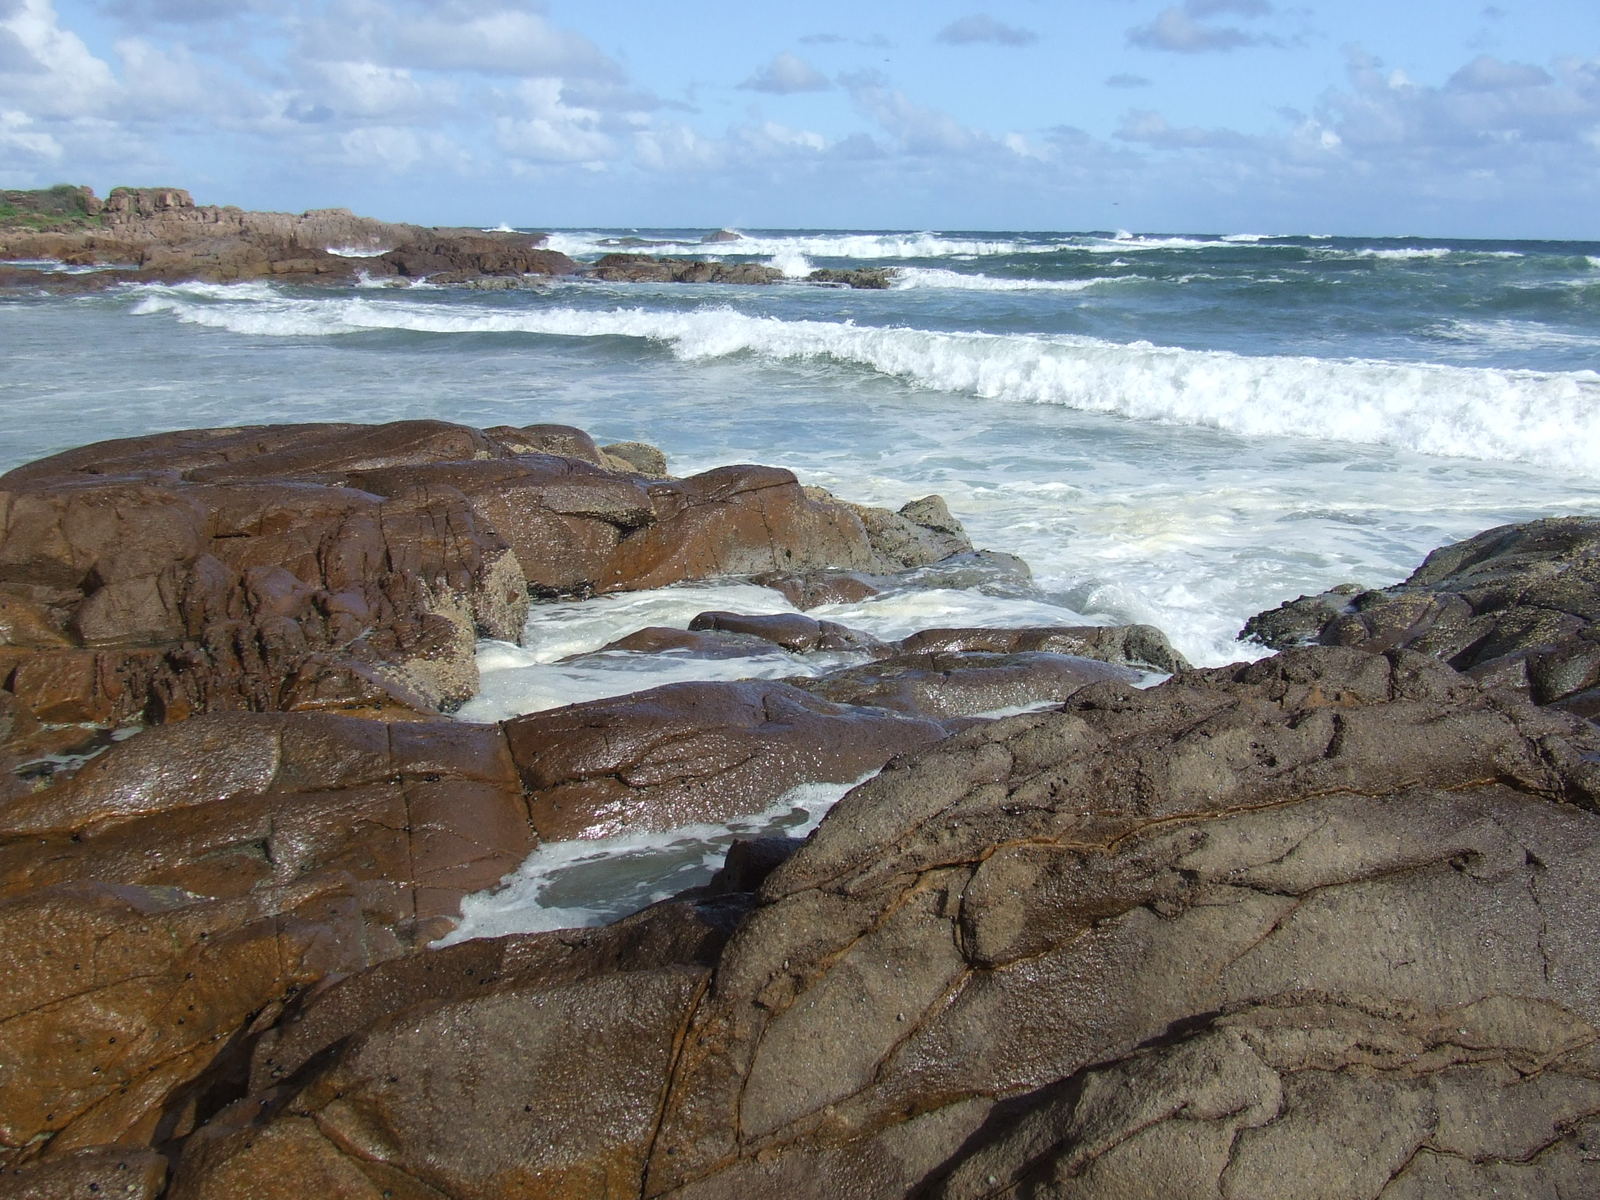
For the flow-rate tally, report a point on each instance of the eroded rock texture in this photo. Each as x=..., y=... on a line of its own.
x=1317, y=926
x=1514, y=605
x=350, y=567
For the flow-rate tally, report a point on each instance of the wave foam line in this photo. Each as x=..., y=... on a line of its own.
x=811, y=245
x=911, y=278
x=1460, y=412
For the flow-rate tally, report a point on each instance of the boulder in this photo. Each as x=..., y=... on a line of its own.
x=162, y=576
x=473, y=254
x=693, y=752
x=872, y=278
x=1129, y=645
x=350, y=568
x=790, y=631
x=643, y=268
x=1515, y=605
x=124, y=1008
x=1316, y=926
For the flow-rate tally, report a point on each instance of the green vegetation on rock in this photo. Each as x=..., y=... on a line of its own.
x=62, y=207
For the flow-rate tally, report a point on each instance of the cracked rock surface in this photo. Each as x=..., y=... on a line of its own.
x=1316, y=926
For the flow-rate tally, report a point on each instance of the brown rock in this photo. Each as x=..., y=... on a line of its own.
x=812, y=589
x=791, y=631
x=158, y=577
x=408, y=817
x=1130, y=645
x=963, y=684
x=642, y=268
x=1320, y=925
x=110, y=1172
x=477, y=254
x=693, y=752
x=121, y=1005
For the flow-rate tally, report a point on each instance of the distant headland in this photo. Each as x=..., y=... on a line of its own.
x=160, y=235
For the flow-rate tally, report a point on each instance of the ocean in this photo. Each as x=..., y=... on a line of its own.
x=1176, y=430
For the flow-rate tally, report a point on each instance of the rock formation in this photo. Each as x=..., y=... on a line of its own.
x=1515, y=605
x=1317, y=926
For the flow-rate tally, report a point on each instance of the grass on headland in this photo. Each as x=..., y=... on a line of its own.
x=62, y=207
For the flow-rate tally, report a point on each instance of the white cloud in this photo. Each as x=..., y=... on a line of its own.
x=18, y=136
x=1153, y=129
x=60, y=77
x=546, y=129
x=1176, y=29
x=497, y=39
x=980, y=27
x=787, y=74
x=366, y=91
x=1489, y=74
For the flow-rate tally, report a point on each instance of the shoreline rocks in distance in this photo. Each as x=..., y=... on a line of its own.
x=159, y=235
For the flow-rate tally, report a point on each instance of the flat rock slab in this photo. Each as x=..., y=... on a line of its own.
x=694, y=752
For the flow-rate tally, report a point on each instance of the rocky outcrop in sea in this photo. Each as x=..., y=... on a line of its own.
x=159, y=235
x=1319, y=925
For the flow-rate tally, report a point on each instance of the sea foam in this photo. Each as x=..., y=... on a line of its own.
x=1549, y=418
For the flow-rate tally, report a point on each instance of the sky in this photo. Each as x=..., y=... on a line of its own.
x=1361, y=117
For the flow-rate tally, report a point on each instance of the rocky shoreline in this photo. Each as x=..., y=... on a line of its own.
x=1320, y=925
x=159, y=235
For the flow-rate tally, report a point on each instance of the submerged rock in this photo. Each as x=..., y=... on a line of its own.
x=873, y=278
x=643, y=268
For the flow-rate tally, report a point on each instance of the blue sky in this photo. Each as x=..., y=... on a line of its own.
x=1360, y=117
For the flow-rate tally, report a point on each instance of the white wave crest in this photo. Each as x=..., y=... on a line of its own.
x=868, y=246
x=358, y=251
x=936, y=277
x=1464, y=412
x=793, y=264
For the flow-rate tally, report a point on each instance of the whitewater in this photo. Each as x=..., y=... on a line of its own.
x=1170, y=428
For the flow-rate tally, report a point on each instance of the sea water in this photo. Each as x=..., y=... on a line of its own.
x=1177, y=430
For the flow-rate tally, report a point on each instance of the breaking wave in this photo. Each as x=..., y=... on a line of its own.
x=1550, y=418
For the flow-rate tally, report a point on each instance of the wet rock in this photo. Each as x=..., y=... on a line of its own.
x=671, y=933
x=643, y=268
x=638, y=456
x=1515, y=606
x=224, y=569
x=813, y=589
x=122, y=1006
x=693, y=752
x=873, y=278
x=1319, y=925
x=408, y=818
x=1129, y=645
x=963, y=683
x=350, y=568
x=794, y=632
x=103, y=1173
x=722, y=235
x=469, y=255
